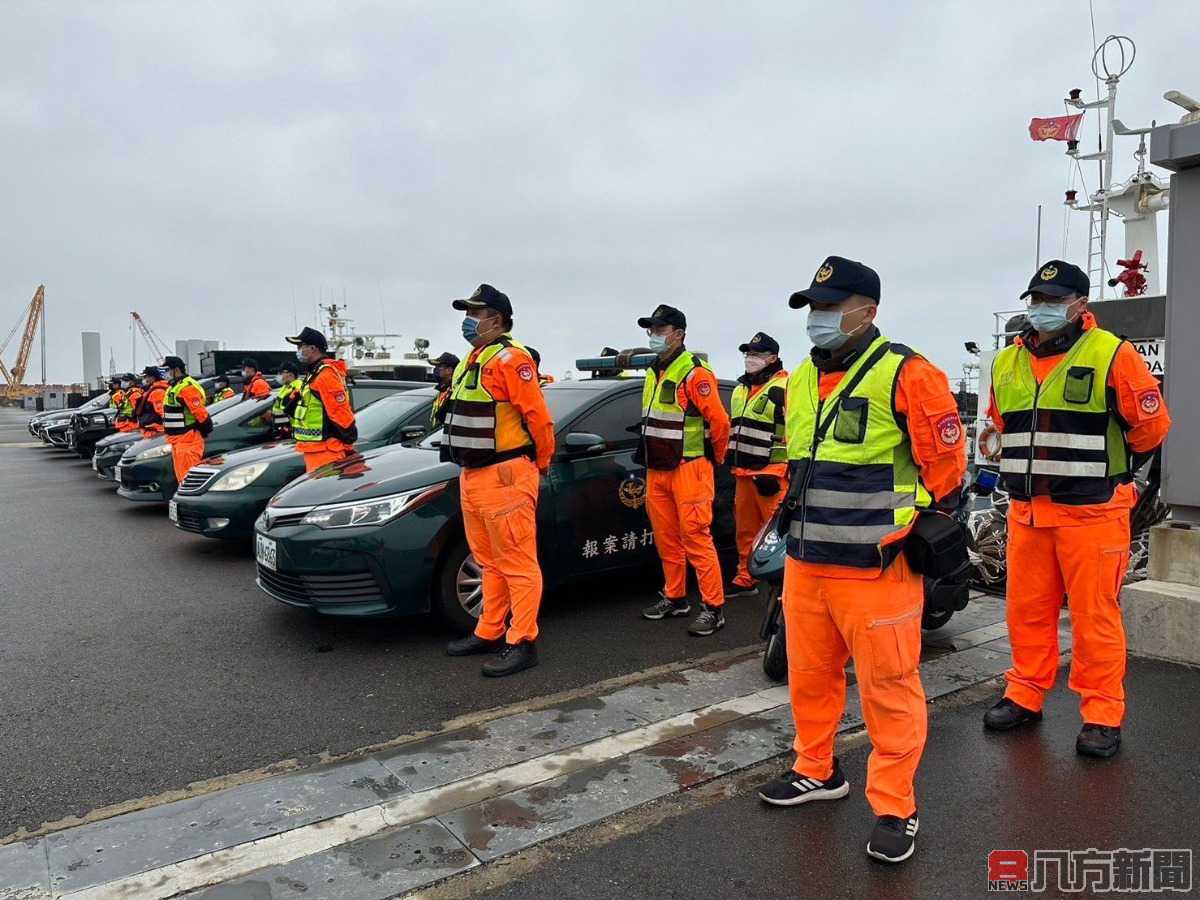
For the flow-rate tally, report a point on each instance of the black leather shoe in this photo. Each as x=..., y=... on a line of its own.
x=512, y=659
x=471, y=645
x=1098, y=740
x=1006, y=714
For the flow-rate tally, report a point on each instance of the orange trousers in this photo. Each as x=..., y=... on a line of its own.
x=1087, y=563
x=314, y=460
x=751, y=510
x=680, y=505
x=499, y=505
x=878, y=623
x=187, y=449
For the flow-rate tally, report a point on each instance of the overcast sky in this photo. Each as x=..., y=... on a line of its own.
x=206, y=163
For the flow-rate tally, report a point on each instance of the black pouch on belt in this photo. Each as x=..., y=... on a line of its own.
x=937, y=547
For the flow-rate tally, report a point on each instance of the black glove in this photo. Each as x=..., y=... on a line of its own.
x=205, y=428
x=767, y=485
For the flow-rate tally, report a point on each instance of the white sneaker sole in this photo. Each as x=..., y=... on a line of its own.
x=821, y=794
x=895, y=859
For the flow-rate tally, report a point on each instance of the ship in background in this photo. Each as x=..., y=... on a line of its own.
x=374, y=354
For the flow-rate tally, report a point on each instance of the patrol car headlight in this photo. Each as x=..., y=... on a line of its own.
x=99, y=420
x=154, y=453
x=239, y=477
x=378, y=511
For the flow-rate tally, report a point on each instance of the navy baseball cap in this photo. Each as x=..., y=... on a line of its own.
x=1058, y=279
x=836, y=280
x=664, y=315
x=486, y=296
x=311, y=337
x=760, y=343
x=446, y=359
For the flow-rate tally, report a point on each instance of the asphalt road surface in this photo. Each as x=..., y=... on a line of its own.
x=135, y=658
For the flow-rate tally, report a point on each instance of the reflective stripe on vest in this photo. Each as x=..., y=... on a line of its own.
x=863, y=486
x=129, y=403
x=671, y=433
x=1060, y=438
x=177, y=418
x=479, y=430
x=308, y=418
x=755, y=438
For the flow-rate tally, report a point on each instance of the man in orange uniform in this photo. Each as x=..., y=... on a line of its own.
x=874, y=436
x=1077, y=410
x=221, y=389
x=149, y=411
x=499, y=430
x=757, y=449
x=132, y=394
x=685, y=431
x=185, y=418
x=323, y=419
x=254, y=386
x=116, y=396
x=443, y=370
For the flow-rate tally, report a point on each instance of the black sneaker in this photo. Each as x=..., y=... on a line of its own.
x=667, y=608
x=791, y=788
x=1006, y=714
x=512, y=659
x=1098, y=740
x=471, y=645
x=710, y=621
x=893, y=839
x=733, y=589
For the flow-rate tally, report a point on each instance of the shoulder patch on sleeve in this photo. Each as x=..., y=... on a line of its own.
x=525, y=371
x=1149, y=402
x=704, y=387
x=949, y=429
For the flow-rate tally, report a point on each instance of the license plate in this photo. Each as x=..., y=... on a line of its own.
x=95, y=465
x=264, y=551
x=173, y=511
x=117, y=472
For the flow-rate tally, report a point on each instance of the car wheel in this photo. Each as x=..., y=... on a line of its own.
x=775, y=656
x=460, y=589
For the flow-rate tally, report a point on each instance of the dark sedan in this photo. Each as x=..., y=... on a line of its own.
x=221, y=497
x=383, y=534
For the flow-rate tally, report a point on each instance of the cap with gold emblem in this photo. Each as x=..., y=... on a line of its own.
x=837, y=279
x=1058, y=279
x=664, y=315
x=760, y=343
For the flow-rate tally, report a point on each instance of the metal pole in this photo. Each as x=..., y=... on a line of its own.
x=1037, y=262
x=43, y=340
x=1106, y=168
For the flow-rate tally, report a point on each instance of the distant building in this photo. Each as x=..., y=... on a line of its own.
x=92, y=366
x=189, y=351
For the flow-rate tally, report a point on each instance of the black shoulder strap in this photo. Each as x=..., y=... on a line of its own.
x=870, y=361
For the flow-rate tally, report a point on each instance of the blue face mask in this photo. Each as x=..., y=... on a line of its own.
x=825, y=327
x=300, y=356
x=470, y=329
x=1050, y=317
x=657, y=342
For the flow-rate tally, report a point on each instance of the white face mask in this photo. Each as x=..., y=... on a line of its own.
x=755, y=364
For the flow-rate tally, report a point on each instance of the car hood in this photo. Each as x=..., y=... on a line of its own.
x=377, y=473
x=257, y=453
x=121, y=438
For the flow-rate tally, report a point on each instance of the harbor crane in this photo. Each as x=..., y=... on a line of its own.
x=158, y=347
x=33, y=317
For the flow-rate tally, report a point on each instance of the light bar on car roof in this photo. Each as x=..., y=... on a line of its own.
x=609, y=363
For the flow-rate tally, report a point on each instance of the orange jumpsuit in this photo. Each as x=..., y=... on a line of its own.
x=154, y=396
x=134, y=396
x=751, y=510
x=329, y=384
x=679, y=501
x=1080, y=551
x=256, y=388
x=836, y=612
x=187, y=449
x=499, y=503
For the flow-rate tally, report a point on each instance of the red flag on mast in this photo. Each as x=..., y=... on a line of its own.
x=1056, y=128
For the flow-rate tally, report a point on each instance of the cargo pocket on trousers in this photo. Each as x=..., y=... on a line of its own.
x=893, y=652
x=1118, y=559
x=513, y=524
x=696, y=517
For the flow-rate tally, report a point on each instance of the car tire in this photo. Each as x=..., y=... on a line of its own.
x=775, y=655
x=459, y=599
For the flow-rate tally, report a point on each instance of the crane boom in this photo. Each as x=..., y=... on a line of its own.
x=32, y=317
x=153, y=341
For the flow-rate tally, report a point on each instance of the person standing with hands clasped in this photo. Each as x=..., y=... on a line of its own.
x=497, y=427
x=1077, y=411
x=874, y=440
x=685, y=431
x=185, y=417
x=323, y=424
x=757, y=450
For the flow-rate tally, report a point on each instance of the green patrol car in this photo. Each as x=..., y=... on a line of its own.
x=382, y=534
x=223, y=495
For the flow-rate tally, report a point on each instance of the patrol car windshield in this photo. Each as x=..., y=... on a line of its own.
x=377, y=420
x=562, y=399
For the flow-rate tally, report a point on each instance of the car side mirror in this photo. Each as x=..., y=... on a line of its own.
x=579, y=443
x=412, y=432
